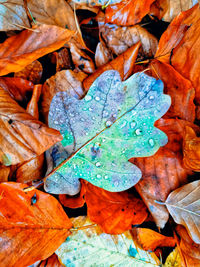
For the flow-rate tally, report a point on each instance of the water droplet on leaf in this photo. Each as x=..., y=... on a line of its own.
x=88, y=98
x=151, y=142
x=98, y=164
x=138, y=132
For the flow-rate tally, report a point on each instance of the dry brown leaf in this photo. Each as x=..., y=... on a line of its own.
x=65, y=80
x=32, y=72
x=4, y=173
x=119, y=39
x=22, y=137
x=53, y=12
x=180, y=90
x=191, y=150
x=164, y=171
x=62, y=59
x=32, y=225
x=184, y=206
x=159, y=8
x=80, y=59
x=52, y=261
x=102, y=54
x=22, y=49
x=190, y=251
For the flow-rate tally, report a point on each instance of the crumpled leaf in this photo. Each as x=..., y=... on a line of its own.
x=184, y=206
x=177, y=6
x=61, y=59
x=123, y=119
x=53, y=12
x=124, y=64
x=28, y=225
x=32, y=72
x=22, y=137
x=4, y=173
x=119, y=39
x=90, y=245
x=190, y=251
x=159, y=8
x=127, y=12
x=164, y=171
x=180, y=90
x=114, y=212
x=150, y=240
x=65, y=80
x=96, y=2
x=102, y=54
x=52, y=261
x=191, y=154
x=22, y=49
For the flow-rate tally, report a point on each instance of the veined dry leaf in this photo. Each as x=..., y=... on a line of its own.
x=102, y=54
x=80, y=59
x=22, y=49
x=22, y=137
x=52, y=261
x=74, y=202
x=32, y=72
x=163, y=172
x=159, y=8
x=32, y=169
x=184, y=206
x=52, y=12
x=119, y=39
x=115, y=213
x=127, y=12
x=177, y=6
x=191, y=150
x=28, y=225
x=89, y=246
x=65, y=80
x=180, y=90
x=174, y=259
x=150, y=240
x=17, y=88
x=123, y=64
x=190, y=251
x=175, y=32
x=123, y=119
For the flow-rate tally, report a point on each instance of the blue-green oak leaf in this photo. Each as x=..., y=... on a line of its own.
x=111, y=124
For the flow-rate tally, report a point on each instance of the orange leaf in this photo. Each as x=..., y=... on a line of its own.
x=123, y=64
x=74, y=202
x=30, y=229
x=191, y=150
x=180, y=89
x=164, y=171
x=159, y=8
x=52, y=261
x=150, y=240
x=175, y=32
x=22, y=137
x=114, y=212
x=190, y=251
x=22, y=49
x=128, y=12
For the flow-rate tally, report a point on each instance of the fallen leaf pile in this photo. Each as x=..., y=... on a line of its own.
x=99, y=106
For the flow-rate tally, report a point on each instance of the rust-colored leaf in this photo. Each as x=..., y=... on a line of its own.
x=191, y=150
x=128, y=12
x=102, y=55
x=30, y=230
x=164, y=171
x=159, y=8
x=123, y=64
x=32, y=72
x=52, y=261
x=61, y=59
x=150, y=240
x=22, y=49
x=180, y=90
x=190, y=251
x=114, y=212
x=4, y=173
x=22, y=136
x=76, y=201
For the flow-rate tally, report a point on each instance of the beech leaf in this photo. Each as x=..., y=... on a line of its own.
x=90, y=247
x=113, y=114
x=28, y=225
x=184, y=206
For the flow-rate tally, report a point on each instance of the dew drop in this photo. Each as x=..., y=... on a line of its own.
x=98, y=164
x=98, y=176
x=151, y=97
x=123, y=124
x=116, y=183
x=56, y=122
x=88, y=98
x=151, y=142
x=90, y=109
x=82, y=120
x=108, y=123
x=106, y=177
x=123, y=151
x=97, y=98
x=86, y=133
x=138, y=132
x=103, y=140
x=133, y=124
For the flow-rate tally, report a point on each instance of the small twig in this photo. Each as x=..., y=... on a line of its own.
x=23, y=27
